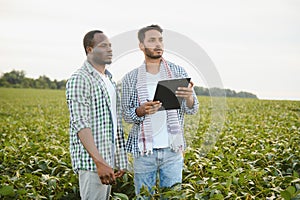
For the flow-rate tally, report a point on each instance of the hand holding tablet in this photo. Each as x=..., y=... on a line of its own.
x=167, y=95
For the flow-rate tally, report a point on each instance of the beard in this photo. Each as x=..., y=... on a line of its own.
x=150, y=54
x=99, y=61
x=107, y=62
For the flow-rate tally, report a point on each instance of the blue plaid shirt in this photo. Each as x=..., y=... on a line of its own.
x=130, y=103
x=89, y=105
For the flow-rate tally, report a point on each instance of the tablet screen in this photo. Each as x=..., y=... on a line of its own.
x=165, y=92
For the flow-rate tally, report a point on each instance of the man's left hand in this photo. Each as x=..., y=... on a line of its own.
x=186, y=93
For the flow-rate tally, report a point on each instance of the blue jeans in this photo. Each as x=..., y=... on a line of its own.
x=164, y=163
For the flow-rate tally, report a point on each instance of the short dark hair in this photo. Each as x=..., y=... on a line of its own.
x=142, y=31
x=88, y=40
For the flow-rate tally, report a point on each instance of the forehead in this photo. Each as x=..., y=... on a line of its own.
x=99, y=38
x=152, y=34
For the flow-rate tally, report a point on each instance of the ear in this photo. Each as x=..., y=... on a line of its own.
x=89, y=49
x=142, y=46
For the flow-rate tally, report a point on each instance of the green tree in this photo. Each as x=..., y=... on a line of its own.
x=13, y=78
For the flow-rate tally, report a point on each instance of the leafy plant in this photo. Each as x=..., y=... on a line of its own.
x=256, y=155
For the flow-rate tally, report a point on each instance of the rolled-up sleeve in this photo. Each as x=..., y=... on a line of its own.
x=78, y=94
x=130, y=100
x=194, y=108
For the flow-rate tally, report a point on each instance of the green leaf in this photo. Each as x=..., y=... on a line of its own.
x=121, y=196
x=286, y=195
x=7, y=190
x=291, y=190
x=21, y=191
x=218, y=197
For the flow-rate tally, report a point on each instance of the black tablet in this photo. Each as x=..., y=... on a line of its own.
x=165, y=92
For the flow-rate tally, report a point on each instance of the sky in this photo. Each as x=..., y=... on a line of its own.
x=254, y=44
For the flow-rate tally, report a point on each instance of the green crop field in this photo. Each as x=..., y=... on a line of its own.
x=255, y=156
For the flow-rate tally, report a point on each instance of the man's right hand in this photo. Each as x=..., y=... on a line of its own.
x=148, y=108
x=106, y=174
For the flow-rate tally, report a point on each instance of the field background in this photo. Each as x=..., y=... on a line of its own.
x=256, y=155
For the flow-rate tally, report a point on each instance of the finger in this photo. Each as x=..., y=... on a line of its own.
x=148, y=107
x=148, y=111
x=154, y=109
x=151, y=108
x=117, y=174
x=104, y=180
x=151, y=103
x=157, y=107
x=120, y=174
x=112, y=176
x=184, y=89
x=184, y=96
x=191, y=84
x=181, y=93
x=112, y=181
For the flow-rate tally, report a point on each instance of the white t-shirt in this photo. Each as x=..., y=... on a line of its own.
x=113, y=100
x=159, y=119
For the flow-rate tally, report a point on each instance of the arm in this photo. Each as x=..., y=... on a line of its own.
x=133, y=111
x=105, y=172
x=78, y=99
x=130, y=100
x=190, y=104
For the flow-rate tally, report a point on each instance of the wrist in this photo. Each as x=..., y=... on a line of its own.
x=99, y=163
x=139, y=112
x=190, y=101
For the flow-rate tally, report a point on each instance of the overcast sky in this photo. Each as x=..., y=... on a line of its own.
x=254, y=44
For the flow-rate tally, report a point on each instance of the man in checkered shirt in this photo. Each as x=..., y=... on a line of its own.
x=97, y=143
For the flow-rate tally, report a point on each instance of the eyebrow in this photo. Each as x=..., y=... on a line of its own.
x=104, y=42
x=155, y=38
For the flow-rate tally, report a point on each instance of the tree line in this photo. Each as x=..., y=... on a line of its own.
x=201, y=91
x=17, y=79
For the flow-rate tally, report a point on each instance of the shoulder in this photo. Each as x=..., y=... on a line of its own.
x=81, y=76
x=130, y=76
x=177, y=69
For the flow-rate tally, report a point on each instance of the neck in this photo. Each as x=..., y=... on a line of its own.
x=152, y=65
x=100, y=68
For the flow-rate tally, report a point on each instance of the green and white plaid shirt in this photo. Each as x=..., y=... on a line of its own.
x=89, y=105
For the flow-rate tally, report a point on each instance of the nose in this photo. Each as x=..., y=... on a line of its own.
x=109, y=49
x=158, y=44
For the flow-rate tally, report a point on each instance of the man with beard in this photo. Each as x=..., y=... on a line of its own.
x=156, y=138
x=97, y=144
